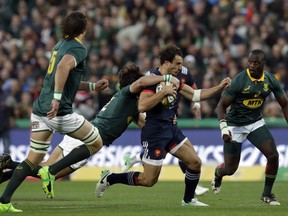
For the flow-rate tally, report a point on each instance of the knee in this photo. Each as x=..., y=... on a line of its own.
x=96, y=146
x=194, y=164
x=273, y=157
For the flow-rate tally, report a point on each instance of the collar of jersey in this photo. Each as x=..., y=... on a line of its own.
x=261, y=79
x=77, y=39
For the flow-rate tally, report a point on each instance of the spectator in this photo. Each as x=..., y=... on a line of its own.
x=218, y=34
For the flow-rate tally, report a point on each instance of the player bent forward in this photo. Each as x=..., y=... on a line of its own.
x=160, y=135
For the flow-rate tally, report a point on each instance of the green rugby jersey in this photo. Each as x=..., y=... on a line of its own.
x=43, y=103
x=249, y=96
x=116, y=115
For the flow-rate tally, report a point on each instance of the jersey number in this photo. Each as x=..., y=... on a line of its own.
x=52, y=62
x=104, y=107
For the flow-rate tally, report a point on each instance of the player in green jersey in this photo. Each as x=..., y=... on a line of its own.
x=246, y=97
x=111, y=121
x=53, y=108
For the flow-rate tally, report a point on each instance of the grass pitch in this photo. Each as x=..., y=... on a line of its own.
x=77, y=198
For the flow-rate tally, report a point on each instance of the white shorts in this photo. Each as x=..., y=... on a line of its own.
x=240, y=133
x=67, y=145
x=63, y=124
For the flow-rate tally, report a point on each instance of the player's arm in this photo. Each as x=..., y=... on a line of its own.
x=66, y=64
x=149, y=99
x=102, y=84
x=196, y=107
x=149, y=80
x=203, y=94
x=283, y=102
x=224, y=102
x=63, y=69
x=140, y=120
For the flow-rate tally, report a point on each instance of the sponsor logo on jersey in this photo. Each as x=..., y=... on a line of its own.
x=157, y=152
x=257, y=94
x=35, y=125
x=246, y=90
x=253, y=103
x=266, y=87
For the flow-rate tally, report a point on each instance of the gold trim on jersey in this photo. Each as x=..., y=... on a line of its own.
x=261, y=79
x=77, y=39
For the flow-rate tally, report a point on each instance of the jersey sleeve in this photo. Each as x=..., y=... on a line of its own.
x=233, y=90
x=190, y=80
x=276, y=88
x=79, y=53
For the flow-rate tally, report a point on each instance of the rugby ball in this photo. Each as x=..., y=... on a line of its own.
x=167, y=100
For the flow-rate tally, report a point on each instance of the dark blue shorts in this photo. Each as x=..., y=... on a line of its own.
x=157, y=141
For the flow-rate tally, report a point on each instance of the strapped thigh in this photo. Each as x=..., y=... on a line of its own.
x=91, y=137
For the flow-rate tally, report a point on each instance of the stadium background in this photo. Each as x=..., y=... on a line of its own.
x=215, y=37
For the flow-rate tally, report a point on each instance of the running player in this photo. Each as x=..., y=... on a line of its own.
x=111, y=121
x=160, y=135
x=246, y=97
x=53, y=108
x=129, y=160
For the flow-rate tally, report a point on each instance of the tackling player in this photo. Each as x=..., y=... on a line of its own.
x=160, y=135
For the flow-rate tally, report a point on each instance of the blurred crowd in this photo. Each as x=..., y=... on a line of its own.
x=214, y=35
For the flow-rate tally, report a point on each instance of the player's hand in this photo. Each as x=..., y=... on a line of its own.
x=170, y=90
x=225, y=83
x=227, y=137
x=54, y=109
x=196, y=109
x=175, y=81
x=101, y=85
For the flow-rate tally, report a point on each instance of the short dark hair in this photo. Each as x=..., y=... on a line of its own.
x=74, y=24
x=129, y=74
x=169, y=53
x=259, y=53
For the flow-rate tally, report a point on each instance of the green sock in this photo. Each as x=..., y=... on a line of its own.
x=77, y=154
x=22, y=170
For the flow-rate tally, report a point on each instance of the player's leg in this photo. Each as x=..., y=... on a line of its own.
x=77, y=127
x=199, y=191
x=55, y=156
x=264, y=141
x=93, y=143
x=232, y=154
x=39, y=143
x=147, y=178
x=187, y=154
x=152, y=163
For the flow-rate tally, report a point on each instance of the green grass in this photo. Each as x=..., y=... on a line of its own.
x=77, y=198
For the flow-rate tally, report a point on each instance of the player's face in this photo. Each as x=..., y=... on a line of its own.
x=256, y=65
x=175, y=66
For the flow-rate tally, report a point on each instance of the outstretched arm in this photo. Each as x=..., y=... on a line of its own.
x=102, y=84
x=203, y=94
x=141, y=83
